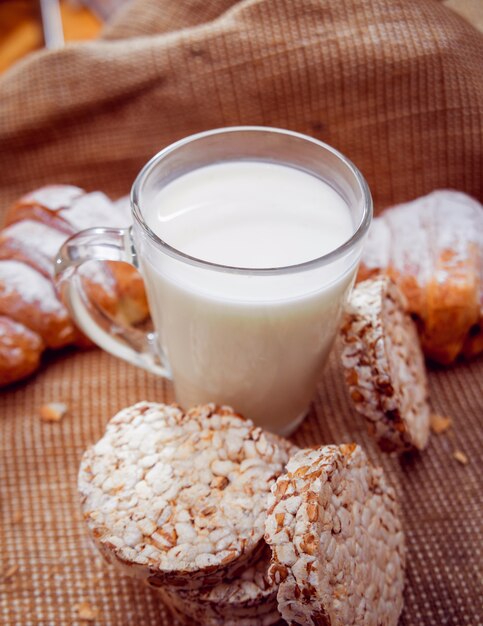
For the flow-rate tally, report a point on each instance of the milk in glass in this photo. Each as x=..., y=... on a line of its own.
x=256, y=342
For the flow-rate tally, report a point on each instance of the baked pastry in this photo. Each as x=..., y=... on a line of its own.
x=433, y=249
x=68, y=209
x=34, y=318
x=20, y=351
x=29, y=298
x=384, y=365
x=338, y=547
x=180, y=498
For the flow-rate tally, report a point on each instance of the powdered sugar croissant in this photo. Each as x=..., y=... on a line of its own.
x=32, y=318
x=433, y=249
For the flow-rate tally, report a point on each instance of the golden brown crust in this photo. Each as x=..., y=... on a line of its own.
x=38, y=225
x=132, y=304
x=43, y=205
x=33, y=243
x=433, y=250
x=20, y=351
x=29, y=298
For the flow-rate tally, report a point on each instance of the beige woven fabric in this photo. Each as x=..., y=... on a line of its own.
x=397, y=86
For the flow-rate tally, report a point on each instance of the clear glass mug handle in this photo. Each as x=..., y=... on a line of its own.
x=104, y=244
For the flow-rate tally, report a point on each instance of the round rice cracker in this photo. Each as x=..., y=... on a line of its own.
x=337, y=543
x=248, y=600
x=180, y=498
x=384, y=365
x=193, y=614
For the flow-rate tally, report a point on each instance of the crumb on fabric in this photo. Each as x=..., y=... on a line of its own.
x=440, y=423
x=53, y=411
x=86, y=612
x=460, y=457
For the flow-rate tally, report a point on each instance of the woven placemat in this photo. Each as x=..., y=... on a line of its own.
x=57, y=569
x=394, y=84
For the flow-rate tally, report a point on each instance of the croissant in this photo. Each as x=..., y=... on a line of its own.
x=32, y=318
x=433, y=249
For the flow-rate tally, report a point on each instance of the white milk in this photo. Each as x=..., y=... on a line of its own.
x=255, y=342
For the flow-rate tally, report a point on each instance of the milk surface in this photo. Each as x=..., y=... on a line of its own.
x=250, y=214
x=257, y=343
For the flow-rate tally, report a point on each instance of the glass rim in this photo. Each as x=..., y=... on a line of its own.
x=320, y=261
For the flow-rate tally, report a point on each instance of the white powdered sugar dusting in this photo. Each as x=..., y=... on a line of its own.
x=432, y=248
x=36, y=241
x=94, y=210
x=426, y=236
x=456, y=214
x=97, y=273
x=30, y=285
x=123, y=206
x=376, y=252
x=53, y=197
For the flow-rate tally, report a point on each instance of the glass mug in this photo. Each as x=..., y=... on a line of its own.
x=253, y=338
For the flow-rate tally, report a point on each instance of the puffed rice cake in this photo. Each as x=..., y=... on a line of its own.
x=337, y=542
x=180, y=498
x=384, y=365
x=248, y=600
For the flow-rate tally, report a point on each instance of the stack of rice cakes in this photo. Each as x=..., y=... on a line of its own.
x=188, y=502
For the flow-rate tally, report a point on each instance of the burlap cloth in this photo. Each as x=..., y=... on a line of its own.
x=397, y=86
